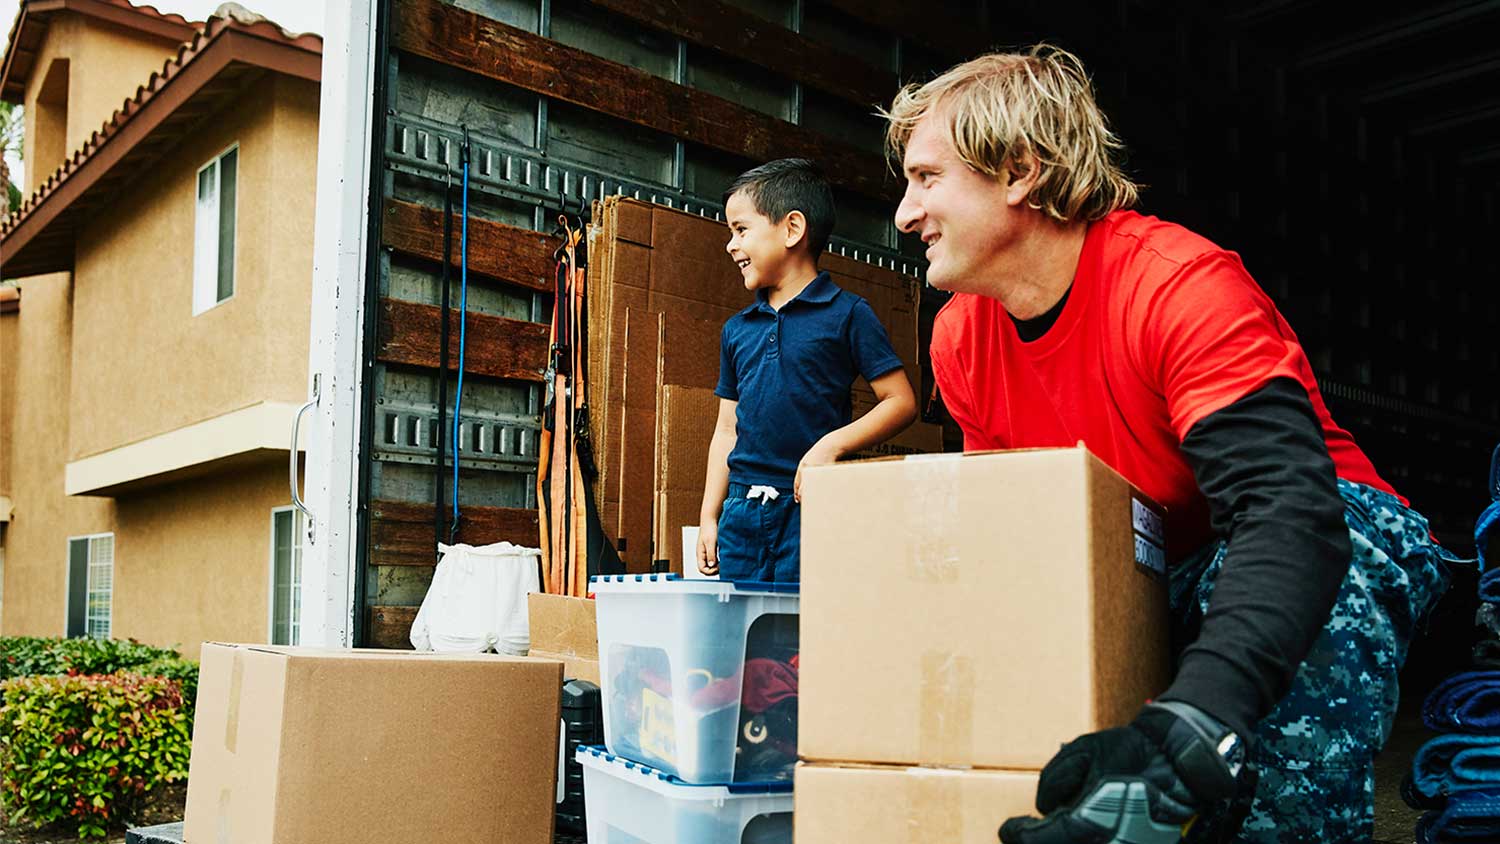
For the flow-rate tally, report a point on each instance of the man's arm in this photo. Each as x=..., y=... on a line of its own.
x=716, y=486
x=1263, y=465
x=894, y=411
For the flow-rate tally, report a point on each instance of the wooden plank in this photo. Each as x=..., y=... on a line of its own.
x=390, y=628
x=496, y=346
x=506, y=253
x=742, y=35
x=401, y=532
x=435, y=30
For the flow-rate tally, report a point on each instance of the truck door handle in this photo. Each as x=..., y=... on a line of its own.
x=296, y=424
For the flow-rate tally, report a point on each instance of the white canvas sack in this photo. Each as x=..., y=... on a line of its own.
x=477, y=600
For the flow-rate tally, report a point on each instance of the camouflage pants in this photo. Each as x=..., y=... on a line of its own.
x=1316, y=749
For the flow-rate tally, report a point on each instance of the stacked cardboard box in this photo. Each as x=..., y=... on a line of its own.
x=660, y=289
x=564, y=628
x=963, y=616
x=685, y=426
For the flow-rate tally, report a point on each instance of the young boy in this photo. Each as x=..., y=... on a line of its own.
x=786, y=365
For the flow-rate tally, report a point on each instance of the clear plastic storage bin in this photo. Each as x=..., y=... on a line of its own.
x=630, y=803
x=700, y=676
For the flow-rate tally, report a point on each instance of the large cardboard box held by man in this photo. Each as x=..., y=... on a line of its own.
x=975, y=610
x=891, y=805
x=336, y=746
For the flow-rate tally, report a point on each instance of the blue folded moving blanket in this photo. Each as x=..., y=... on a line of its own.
x=1451, y=763
x=1471, y=815
x=1465, y=703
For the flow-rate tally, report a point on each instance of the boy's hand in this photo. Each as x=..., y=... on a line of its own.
x=821, y=454
x=708, y=548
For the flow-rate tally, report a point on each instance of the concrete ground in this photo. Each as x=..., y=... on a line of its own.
x=1394, y=820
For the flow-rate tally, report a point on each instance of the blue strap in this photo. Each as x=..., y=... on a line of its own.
x=1484, y=527
x=463, y=321
x=1495, y=474
x=1491, y=515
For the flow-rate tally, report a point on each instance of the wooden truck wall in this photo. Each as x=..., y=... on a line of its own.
x=1298, y=154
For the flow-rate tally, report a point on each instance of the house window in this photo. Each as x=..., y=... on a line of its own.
x=213, y=239
x=286, y=576
x=91, y=585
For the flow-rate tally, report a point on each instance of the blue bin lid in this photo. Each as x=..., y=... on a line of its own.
x=769, y=787
x=695, y=584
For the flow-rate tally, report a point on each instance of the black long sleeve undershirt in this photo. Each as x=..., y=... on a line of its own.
x=1263, y=465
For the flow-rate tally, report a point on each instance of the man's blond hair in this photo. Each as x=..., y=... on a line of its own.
x=1009, y=111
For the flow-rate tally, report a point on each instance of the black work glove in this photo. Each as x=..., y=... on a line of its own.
x=1139, y=783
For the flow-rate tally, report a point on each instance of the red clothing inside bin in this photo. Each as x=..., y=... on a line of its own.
x=1161, y=329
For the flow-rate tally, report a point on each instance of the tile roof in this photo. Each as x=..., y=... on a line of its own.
x=228, y=17
x=30, y=28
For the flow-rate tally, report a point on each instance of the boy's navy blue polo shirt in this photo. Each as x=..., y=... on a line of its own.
x=791, y=372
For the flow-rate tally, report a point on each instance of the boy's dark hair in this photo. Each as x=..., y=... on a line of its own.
x=780, y=187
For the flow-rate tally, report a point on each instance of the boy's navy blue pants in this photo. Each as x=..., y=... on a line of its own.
x=760, y=538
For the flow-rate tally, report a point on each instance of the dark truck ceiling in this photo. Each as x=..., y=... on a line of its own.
x=1426, y=73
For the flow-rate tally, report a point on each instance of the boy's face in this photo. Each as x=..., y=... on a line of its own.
x=756, y=244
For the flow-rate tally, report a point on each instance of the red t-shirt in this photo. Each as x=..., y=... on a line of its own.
x=1161, y=329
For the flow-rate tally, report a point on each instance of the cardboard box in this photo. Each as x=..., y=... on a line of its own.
x=564, y=628
x=685, y=428
x=685, y=423
x=889, y=805
x=335, y=746
x=976, y=610
x=920, y=438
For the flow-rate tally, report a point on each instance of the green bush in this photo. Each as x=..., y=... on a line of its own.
x=128, y=695
x=87, y=751
x=27, y=656
x=176, y=668
x=24, y=656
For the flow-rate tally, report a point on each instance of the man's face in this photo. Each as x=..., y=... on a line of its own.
x=963, y=216
x=756, y=244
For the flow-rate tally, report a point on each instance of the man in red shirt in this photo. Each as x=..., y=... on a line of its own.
x=1298, y=574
